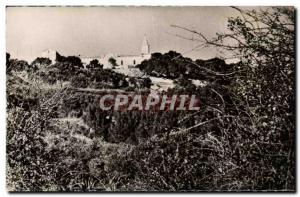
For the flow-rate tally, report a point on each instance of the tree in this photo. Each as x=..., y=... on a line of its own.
x=94, y=64
x=168, y=65
x=17, y=65
x=262, y=90
x=173, y=65
x=7, y=57
x=7, y=61
x=67, y=67
x=113, y=61
x=73, y=60
x=41, y=61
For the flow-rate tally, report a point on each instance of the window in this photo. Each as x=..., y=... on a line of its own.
x=121, y=62
x=133, y=62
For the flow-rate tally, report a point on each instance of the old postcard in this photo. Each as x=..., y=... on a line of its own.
x=150, y=99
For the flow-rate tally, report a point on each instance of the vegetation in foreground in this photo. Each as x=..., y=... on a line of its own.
x=242, y=139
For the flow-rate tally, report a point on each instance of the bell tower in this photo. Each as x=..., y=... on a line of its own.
x=145, y=46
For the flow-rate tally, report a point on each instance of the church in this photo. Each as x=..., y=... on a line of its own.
x=122, y=61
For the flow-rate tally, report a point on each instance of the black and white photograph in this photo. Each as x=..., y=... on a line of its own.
x=150, y=98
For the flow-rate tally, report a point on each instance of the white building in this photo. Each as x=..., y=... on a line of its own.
x=48, y=53
x=123, y=61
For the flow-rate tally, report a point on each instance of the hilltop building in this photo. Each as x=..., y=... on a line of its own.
x=123, y=61
x=49, y=53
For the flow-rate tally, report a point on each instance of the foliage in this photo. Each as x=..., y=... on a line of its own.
x=80, y=81
x=72, y=60
x=7, y=57
x=16, y=65
x=113, y=62
x=241, y=139
x=94, y=64
x=173, y=65
x=41, y=61
x=263, y=91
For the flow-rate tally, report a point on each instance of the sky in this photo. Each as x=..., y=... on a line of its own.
x=94, y=31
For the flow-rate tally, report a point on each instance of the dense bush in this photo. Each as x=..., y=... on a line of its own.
x=94, y=64
x=73, y=60
x=16, y=65
x=169, y=65
x=41, y=61
x=173, y=65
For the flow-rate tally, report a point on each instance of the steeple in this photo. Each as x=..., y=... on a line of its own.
x=145, y=46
